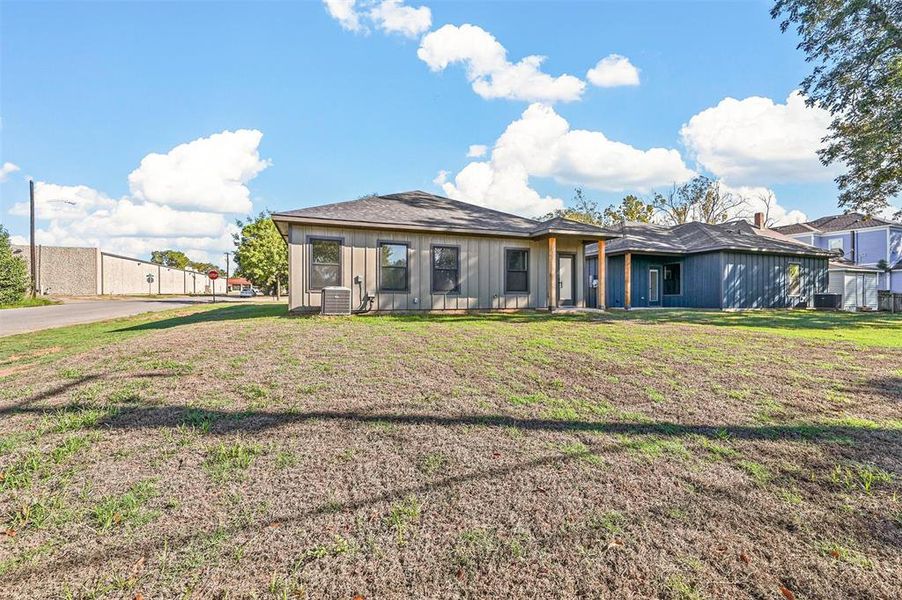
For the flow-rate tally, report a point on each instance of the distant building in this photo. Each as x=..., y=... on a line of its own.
x=239, y=284
x=862, y=241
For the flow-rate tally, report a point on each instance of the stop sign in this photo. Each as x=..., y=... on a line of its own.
x=214, y=274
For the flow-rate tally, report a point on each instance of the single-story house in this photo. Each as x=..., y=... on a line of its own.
x=857, y=284
x=418, y=251
x=238, y=284
x=695, y=265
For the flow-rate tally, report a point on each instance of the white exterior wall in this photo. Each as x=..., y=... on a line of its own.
x=128, y=276
x=858, y=289
x=481, y=270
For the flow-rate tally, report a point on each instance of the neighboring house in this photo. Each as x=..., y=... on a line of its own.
x=862, y=240
x=417, y=251
x=694, y=265
x=238, y=284
x=856, y=284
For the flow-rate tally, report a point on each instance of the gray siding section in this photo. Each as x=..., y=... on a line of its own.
x=481, y=270
x=761, y=281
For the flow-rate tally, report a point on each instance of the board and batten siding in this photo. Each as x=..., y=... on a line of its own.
x=728, y=280
x=481, y=270
x=752, y=280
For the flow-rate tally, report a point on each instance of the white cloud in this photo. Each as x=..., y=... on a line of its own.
x=345, y=13
x=179, y=200
x=392, y=16
x=52, y=201
x=756, y=200
x=542, y=144
x=209, y=173
x=613, y=70
x=7, y=169
x=489, y=71
x=476, y=150
x=757, y=140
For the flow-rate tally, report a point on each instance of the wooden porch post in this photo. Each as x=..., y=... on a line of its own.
x=552, y=273
x=627, y=280
x=600, y=298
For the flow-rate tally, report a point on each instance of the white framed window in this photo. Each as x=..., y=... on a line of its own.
x=834, y=244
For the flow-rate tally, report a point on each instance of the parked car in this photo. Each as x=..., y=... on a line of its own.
x=248, y=293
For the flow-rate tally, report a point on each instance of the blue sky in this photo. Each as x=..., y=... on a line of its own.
x=309, y=110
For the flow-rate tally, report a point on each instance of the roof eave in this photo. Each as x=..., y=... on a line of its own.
x=286, y=218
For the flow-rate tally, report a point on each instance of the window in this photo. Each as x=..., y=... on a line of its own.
x=445, y=269
x=673, y=279
x=392, y=267
x=834, y=244
x=325, y=263
x=516, y=271
x=794, y=279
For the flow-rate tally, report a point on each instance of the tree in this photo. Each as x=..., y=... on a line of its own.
x=261, y=254
x=582, y=210
x=13, y=272
x=631, y=209
x=766, y=203
x=170, y=258
x=202, y=267
x=718, y=205
x=856, y=46
x=699, y=199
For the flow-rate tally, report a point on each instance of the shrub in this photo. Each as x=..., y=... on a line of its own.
x=13, y=272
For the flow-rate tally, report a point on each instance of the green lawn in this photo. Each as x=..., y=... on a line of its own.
x=29, y=302
x=866, y=329
x=236, y=451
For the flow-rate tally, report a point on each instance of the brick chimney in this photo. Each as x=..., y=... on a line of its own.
x=759, y=220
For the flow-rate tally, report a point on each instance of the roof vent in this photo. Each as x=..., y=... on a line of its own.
x=336, y=301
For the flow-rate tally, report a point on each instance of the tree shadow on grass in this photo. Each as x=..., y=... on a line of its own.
x=20, y=406
x=226, y=313
x=222, y=422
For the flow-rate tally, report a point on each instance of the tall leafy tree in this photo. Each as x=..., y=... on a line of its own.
x=202, y=267
x=13, y=272
x=170, y=258
x=856, y=49
x=631, y=209
x=261, y=254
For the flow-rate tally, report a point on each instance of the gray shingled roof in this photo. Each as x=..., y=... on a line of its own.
x=691, y=238
x=419, y=209
x=830, y=223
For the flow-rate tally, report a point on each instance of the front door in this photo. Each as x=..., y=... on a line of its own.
x=566, y=273
x=591, y=276
x=654, y=287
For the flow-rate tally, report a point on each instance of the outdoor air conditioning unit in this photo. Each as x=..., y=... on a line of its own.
x=336, y=301
x=828, y=301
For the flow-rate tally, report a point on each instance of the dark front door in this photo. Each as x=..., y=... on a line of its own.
x=566, y=275
x=591, y=276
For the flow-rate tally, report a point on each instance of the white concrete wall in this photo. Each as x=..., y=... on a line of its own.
x=122, y=275
x=481, y=270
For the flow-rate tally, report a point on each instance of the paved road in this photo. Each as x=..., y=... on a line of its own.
x=23, y=320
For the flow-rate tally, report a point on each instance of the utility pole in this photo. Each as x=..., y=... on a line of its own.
x=227, y=273
x=34, y=264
